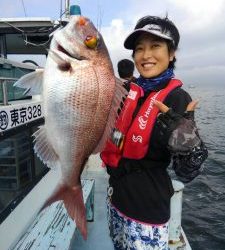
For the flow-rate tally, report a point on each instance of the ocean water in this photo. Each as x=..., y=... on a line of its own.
x=203, y=217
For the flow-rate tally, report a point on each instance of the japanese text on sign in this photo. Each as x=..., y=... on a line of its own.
x=13, y=116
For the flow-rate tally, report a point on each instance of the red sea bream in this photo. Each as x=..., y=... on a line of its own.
x=80, y=101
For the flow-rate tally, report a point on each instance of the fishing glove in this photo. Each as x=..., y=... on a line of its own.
x=184, y=143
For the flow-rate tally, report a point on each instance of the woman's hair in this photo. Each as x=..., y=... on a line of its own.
x=166, y=26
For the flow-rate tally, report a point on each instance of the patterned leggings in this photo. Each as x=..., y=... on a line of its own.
x=128, y=234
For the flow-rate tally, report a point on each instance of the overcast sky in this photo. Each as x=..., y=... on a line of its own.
x=201, y=54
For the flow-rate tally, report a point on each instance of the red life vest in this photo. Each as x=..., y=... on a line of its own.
x=130, y=138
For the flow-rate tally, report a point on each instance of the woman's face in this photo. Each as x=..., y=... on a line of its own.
x=151, y=55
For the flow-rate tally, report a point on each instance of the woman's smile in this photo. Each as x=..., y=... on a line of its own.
x=148, y=65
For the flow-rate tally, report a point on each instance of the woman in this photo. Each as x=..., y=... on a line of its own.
x=145, y=140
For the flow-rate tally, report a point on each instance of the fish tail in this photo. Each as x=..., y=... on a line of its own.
x=74, y=204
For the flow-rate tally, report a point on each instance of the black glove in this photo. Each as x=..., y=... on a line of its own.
x=189, y=166
x=168, y=121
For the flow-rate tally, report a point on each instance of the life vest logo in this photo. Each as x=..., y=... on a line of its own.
x=143, y=119
x=142, y=123
x=137, y=138
x=132, y=94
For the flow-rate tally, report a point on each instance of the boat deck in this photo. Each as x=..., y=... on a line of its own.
x=98, y=237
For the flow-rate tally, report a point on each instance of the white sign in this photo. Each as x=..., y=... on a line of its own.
x=15, y=115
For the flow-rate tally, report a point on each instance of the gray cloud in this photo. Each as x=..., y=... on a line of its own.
x=201, y=54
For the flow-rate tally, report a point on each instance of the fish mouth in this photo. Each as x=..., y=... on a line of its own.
x=61, y=49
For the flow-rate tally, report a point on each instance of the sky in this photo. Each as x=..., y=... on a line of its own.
x=201, y=23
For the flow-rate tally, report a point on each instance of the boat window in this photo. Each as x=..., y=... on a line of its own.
x=20, y=169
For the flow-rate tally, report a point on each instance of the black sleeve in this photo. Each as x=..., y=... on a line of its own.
x=178, y=99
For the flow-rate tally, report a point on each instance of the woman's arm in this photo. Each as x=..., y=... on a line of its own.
x=184, y=143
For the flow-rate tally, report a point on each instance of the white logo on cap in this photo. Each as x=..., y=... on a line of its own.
x=157, y=30
x=153, y=27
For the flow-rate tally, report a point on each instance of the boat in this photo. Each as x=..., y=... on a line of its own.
x=191, y=86
x=25, y=182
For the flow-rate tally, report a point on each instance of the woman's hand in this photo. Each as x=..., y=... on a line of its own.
x=163, y=108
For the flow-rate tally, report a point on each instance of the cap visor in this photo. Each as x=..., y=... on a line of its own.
x=130, y=41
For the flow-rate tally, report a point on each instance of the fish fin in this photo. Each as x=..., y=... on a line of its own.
x=32, y=82
x=74, y=204
x=44, y=149
x=120, y=95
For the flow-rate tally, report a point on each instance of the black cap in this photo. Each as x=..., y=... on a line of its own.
x=161, y=27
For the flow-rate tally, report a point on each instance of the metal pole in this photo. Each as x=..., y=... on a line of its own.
x=175, y=212
x=67, y=8
x=3, y=51
x=4, y=91
x=4, y=81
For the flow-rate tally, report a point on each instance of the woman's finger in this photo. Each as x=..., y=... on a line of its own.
x=161, y=106
x=191, y=106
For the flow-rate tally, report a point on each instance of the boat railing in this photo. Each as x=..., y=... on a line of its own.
x=4, y=81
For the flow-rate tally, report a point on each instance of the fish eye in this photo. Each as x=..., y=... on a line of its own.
x=91, y=42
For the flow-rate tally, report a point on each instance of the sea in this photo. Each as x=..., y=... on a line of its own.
x=203, y=213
